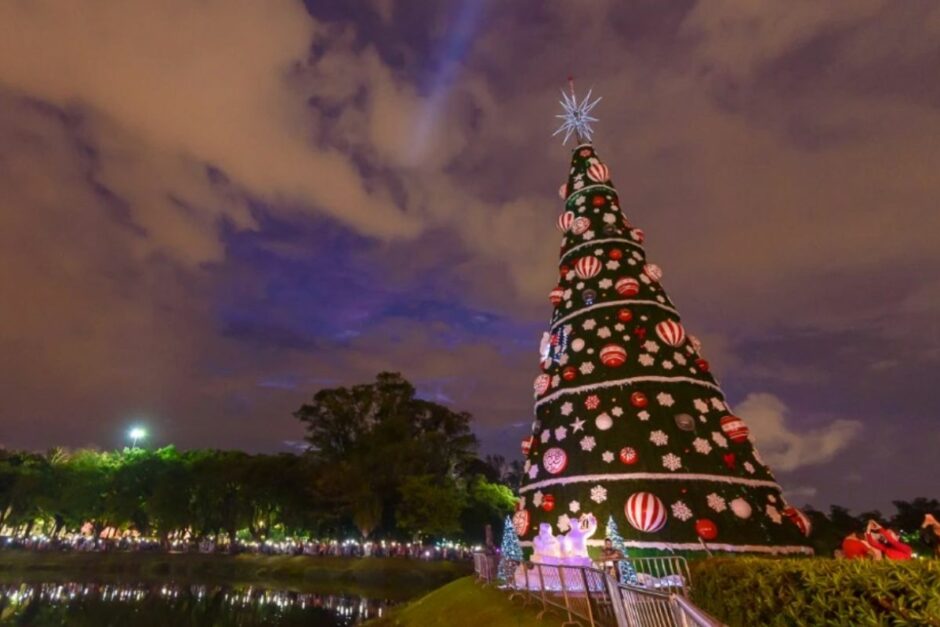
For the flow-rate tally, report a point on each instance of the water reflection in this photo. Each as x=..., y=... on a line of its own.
x=196, y=605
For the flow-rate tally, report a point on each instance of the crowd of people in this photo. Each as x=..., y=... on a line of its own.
x=311, y=548
x=879, y=542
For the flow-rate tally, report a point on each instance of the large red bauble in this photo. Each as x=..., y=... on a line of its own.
x=706, y=529
x=627, y=286
x=541, y=384
x=555, y=460
x=548, y=503
x=628, y=456
x=624, y=315
x=671, y=333
x=587, y=267
x=527, y=445
x=556, y=296
x=615, y=253
x=613, y=355
x=580, y=225
x=598, y=201
x=638, y=399
x=520, y=522
x=799, y=519
x=569, y=373
x=735, y=429
x=565, y=221
x=702, y=364
x=645, y=512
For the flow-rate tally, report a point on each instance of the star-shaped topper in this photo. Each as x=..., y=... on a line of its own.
x=577, y=116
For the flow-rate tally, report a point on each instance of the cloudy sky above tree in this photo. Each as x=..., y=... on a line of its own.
x=210, y=210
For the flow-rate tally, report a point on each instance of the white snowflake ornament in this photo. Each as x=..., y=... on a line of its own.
x=665, y=399
x=598, y=494
x=672, y=461
x=716, y=502
x=681, y=511
x=659, y=438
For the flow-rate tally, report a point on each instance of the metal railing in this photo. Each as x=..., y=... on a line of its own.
x=588, y=596
x=668, y=573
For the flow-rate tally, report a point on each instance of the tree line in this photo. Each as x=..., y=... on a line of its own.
x=382, y=463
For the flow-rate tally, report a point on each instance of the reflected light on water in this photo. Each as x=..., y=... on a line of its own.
x=265, y=605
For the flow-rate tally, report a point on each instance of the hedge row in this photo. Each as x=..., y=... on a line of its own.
x=761, y=591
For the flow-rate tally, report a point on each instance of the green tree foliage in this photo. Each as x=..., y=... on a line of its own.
x=430, y=506
x=383, y=463
x=388, y=458
x=761, y=591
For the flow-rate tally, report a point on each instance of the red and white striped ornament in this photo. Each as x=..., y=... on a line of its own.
x=527, y=445
x=556, y=295
x=799, y=519
x=563, y=191
x=587, y=267
x=598, y=172
x=670, y=332
x=580, y=225
x=555, y=460
x=653, y=271
x=565, y=221
x=735, y=428
x=645, y=512
x=627, y=286
x=638, y=235
x=520, y=522
x=541, y=384
x=613, y=355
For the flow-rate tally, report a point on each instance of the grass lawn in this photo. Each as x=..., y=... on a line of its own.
x=463, y=603
x=393, y=578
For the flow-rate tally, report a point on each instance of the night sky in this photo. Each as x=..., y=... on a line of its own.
x=209, y=210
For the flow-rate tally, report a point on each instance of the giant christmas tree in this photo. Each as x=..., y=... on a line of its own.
x=629, y=420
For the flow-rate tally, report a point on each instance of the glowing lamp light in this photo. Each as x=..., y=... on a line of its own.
x=136, y=434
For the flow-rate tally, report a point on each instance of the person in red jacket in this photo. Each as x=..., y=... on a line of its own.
x=887, y=542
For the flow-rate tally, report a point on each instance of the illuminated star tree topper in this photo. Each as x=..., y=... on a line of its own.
x=577, y=116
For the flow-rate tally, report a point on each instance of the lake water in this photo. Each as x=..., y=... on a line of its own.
x=165, y=605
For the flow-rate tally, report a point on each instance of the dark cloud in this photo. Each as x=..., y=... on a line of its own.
x=208, y=211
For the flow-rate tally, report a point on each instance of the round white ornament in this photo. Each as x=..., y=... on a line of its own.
x=741, y=508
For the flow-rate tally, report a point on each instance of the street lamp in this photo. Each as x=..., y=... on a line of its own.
x=135, y=434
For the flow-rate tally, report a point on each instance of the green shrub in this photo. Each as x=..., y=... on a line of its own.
x=763, y=591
